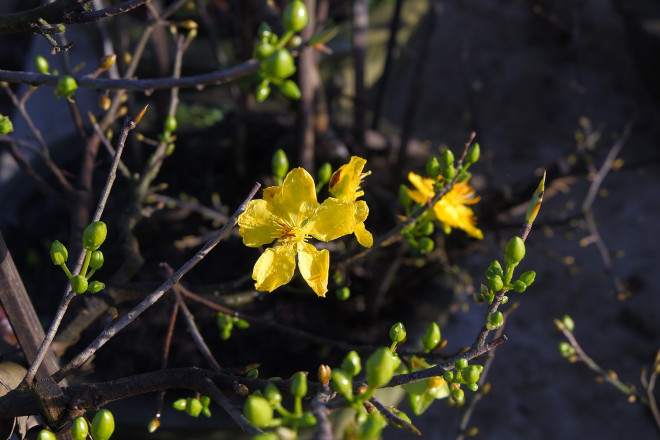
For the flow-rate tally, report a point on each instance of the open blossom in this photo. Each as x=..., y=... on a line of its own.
x=451, y=210
x=291, y=214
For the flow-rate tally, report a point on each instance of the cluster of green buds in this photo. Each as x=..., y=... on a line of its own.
x=194, y=406
x=419, y=234
x=260, y=409
x=103, y=426
x=93, y=237
x=465, y=374
x=6, y=125
x=565, y=348
x=277, y=63
x=226, y=323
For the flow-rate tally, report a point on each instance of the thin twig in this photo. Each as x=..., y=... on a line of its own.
x=320, y=410
x=88, y=17
x=166, y=354
x=221, y=399
x=393, y=418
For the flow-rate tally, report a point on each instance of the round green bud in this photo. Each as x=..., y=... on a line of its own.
x=568, y=323
x=79, y=284
x=258, y=411
x=206, y=401
x=96, y=260
x=207, y=412
x=242, y=324
x=263, y=91
x=448, y=158
x=514, y=251
x=45, y=434
x=193, y=407
x=103, y=425
x=566, y=349
x=264, y=31
x=263, y=49
x=307, y=420
x=505, y=299
x=253, y=374
x=343, y=293
x=279, y=64
x=460, y=364
x=58, y=253
x=471, y=374
x=472, y=386
x=94, y=236
x=79, y=429
x=496, y=283
x=279, y=164
x=171, y=124
x=66, y=87
x=397, y=332
x=179, y=404
x=272, y=394
x=266, y=436
x=458, y=396
x=495, y=320
x=298, y=386
x=448, y=376
x=341, y=382
x=352, y=364
x=425, y=245
x=431, y=337
x=380, y=368
x=433, y=168
x=473, y=154
x=404, y=197
x=528, y=277
x=290, y=89
x=373, y=426
x=96, y=286
x=6, y=125
x=449, y=173
x=324, y=174
x=397, y=361
x=42, y=64
x=519, y=286
x=295, y=16
x=494, y=269
x=425, y=228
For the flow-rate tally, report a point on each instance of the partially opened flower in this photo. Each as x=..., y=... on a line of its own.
x=345, y=186
x=291, y=214
x=451, y=210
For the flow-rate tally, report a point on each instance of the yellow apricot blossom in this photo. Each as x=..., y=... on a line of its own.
x=291, y=214
x=451, y=209
x=345, y=186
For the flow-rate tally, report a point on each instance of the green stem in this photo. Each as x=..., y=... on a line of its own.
x=89, y=275
x=88, y=256
x=285, y=39
x=297, y=405
x=66, y=270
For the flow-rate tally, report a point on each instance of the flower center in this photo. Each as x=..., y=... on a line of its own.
x=289, y=234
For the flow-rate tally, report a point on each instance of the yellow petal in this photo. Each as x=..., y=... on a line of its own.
x=335, y=218
x=256, y=224
x=363, y=236
x=274, y=268
x=457, y=216
x=423, y=188
x=314, y=266
x=298, y=197
x=345, y=182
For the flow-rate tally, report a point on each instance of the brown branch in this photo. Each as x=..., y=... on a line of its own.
x=89, y=17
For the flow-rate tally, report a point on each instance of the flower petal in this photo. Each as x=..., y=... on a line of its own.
x=274, y=268
x=336, y=218
x=363, y=236
x=257, y=224
x=345, y=182
x=423, y=188
x=314, y=266
x=298, y=198
x=457, y=216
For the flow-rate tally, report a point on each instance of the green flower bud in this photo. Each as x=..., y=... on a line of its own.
x=171, y=124
x=258, y=411
x=265, y=31
x=96, y=261
x=494, y=269
x=207, y=412
x=66, y=87
x=380, y=368
x=279, y=64
x=295, y=16
x=519, y=286
x=495, y=320
x=79, y=284
x=6, y=125
x=472, y=386
x=425, y=245
x=448, y=158
x=45, y=434
x=242, y=324
x=397, y=361
x=103, y=425
x=94, y=235
x=266, y=436
x=253, y=374
x=373, y=426
x=79, y=429
x=341, y=382
x=263, y=91
x=280, y=164
x=179, y=404
x=449, y=173
x=324, y=174
x=42, y=64
x=290, y=89
x=343, y=293
x=528, y=277
x=153, y=425
x=514, y=251
x=404, y=197
x=352, y=364
x=568, y=323
x=58, y=253
x=193, y=407
x=433, y=168
x=298, y=386
x=206, y=401
x=307, y=420
x=566, y=349
x=460, y=364
x=496, y=283
x=96, y=286
x=448, y=376
x=473, y=154
x=425, y=228
x=505, y=299
x=397, y=332
x=471, y=374
x=431, y=337
x=263, y=49
x=272, y=394
x=458, y=396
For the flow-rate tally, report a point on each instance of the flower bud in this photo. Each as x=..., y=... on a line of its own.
x=448, y=376
x=431, y=337
x=263, y=49
x=324, y=374
x=308, y=420
x=153, y=425
x=495, y=268
x=279, y=64
x=404, y=197
x=79, y=429
x=299, y=384
x=343, y=293
x=94, y=235
x=258, y=411
x=425, y=245
x=103, y=425
x=433, y=168
x=6, y=125
x=252, y=374
x=471, y=374
x=397, y=332
x=263, y=91
x=341, y=382
x=66, y=87
x=58, y=253
x=514, y=251
x=264, y=32
x=107, y=62
x=324, y=174
x=179, y=404
x=448, y=158
x=193, y=407
x=566, y=349
x=449, y=172
x=495, y=283
x=42, y=64
x=380, y=368
x=352, y=364
x=45, y=434
x=473, y=154
x=495, y=320
x=425, y=228
x=290, y=89
x=458, y=396
x=519, y=286
x=280, y=164
x=528, y=277
x=568, y=323
x=170, y=124
x=295, y=16
x=272, y=394
x=206, y=401
x=79, y=284
x=373, y=425
x=460, y=364
x=96, y=286
x=96, y=260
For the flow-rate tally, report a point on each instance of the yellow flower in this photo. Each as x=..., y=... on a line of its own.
x=345, y=186
x=291, y=214
x=451, y=210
